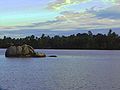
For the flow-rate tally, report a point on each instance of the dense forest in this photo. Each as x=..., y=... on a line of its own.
x=109, y=41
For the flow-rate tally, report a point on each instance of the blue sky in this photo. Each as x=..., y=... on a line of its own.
x=59, y=15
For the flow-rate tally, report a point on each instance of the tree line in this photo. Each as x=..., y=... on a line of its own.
x=109, y=41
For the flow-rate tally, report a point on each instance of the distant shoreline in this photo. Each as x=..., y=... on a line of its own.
x=72, y=49
x=80, y=41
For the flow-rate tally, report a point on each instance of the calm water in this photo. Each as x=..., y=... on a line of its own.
x=71, y=70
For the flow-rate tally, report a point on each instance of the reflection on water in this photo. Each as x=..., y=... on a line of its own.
x=71, y=70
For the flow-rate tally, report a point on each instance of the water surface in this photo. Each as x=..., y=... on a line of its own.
x=71, y=70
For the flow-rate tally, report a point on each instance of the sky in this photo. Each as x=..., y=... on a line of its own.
x=59, y=15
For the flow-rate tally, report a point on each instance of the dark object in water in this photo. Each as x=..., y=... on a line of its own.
x=52, y=56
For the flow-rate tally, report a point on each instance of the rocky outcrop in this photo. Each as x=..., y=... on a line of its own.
x=22, y=51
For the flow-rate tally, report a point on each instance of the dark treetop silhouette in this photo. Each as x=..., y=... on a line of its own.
x=99, y=41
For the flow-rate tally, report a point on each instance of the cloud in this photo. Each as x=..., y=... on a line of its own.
x=59, y=4
x=6, y=27
x=73, y=20
x=111, y=12
x=70, y=20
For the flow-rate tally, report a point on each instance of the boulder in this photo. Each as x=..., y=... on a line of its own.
x=39, y=55
x=25, y=49
x=18, y=50
x=11, y=51
x=22, y=51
